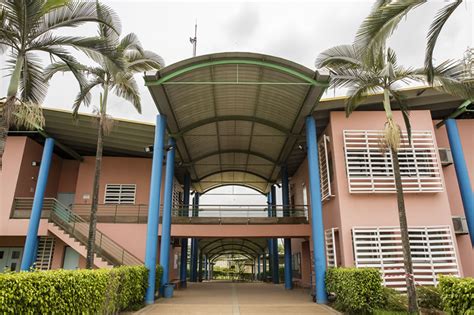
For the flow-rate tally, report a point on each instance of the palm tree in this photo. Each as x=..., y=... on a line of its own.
x=365, y=74
x=29, y=27
x=128, y=53
x=385, y=17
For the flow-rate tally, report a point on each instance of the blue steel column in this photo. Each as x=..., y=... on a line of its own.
x=194, y=242
x=184, y=241
x=166, y=223
x=205, y=267
x=462, y=174
x=270, y=241
x=286, y=212
x=275, y=258
x=317, y=228
x=29, y=253
x=258, y=268
x=154, y=207
x=264, y=271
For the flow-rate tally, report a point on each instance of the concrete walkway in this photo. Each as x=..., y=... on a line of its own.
x=237, y=299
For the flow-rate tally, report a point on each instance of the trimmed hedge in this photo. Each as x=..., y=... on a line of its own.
x=158, y=274
x=457, y=294
x=100, y=291
x=429, y=298
x=357, y=290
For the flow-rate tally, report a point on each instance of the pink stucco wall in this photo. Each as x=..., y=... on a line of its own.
x=115, y=170
x=346, y=210
x=380, y=209
x=18, y=178
x=466, y=132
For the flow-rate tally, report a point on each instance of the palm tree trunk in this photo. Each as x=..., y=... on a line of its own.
x=95, y=190
x=407, y=261
x=6, y=107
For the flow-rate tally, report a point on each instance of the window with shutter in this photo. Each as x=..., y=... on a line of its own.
x=432, y=248
x=369, y=166
x=120, y=193
x=325, y=167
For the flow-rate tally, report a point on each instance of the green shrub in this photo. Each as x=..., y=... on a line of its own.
x=457, y=294
x=357, y=290
x=73, y=291
x=159, y=273
x=394, y=301
x=429, y=298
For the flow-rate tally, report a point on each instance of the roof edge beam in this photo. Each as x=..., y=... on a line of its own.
x=266, y=64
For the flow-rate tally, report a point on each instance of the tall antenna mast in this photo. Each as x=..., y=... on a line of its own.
x=194, y=40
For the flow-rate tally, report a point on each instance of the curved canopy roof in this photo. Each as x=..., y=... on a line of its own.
x=236, y=117
x=216, y=247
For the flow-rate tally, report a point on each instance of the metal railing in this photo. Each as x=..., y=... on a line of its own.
x=241, y=211
x=138, y=213
x=78, y=228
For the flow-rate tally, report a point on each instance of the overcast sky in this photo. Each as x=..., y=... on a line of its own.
x=296, y=30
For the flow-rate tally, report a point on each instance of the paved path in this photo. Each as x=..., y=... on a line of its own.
x=237, y=299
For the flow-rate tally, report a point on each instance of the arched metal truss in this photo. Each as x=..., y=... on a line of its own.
x=250, y=104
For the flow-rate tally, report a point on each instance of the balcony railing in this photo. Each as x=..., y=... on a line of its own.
x=205, y=214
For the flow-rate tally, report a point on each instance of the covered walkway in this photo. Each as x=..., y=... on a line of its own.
x=237, y=298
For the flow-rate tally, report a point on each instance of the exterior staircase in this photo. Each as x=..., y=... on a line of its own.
x=73, y=230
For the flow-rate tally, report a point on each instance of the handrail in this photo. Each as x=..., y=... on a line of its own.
x=138, y=213
x=77, y=227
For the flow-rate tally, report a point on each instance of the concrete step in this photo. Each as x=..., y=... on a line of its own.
x=99, y=262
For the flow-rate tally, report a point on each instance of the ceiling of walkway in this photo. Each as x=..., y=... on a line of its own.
x=236, y=117
x=218, y=247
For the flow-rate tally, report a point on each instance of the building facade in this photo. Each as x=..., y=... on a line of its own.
x=270, y=142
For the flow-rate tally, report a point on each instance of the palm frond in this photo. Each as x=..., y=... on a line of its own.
x=126, y=87
x=94, y=47
x=339, y=56
x=380, y=24
x=357, y=94
x=84, y=96
x=111, y=29
x=74, y=14
x=130, y=42
x=33, y=87
x=146, y=61
x=435, y=29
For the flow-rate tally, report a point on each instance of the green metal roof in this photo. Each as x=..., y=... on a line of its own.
x=236, y=116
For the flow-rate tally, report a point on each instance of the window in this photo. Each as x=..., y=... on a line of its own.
x=120, y=193
x=369, y=166
x=331, y=237
x=325, y=167
x=432, y=249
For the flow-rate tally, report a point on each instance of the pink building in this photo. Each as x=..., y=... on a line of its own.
x=244, y=119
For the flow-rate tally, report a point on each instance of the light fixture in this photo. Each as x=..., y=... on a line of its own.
x=169, y=147
x=300, y=147
x=149, y=149
x=35, y=163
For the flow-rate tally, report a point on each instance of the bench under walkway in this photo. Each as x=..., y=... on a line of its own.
x=237, y=298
